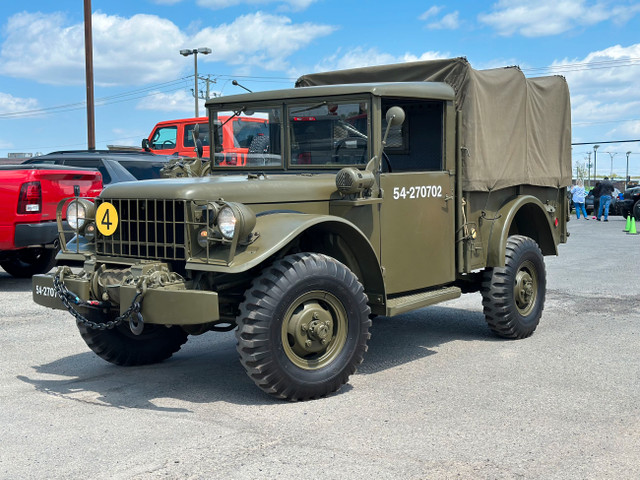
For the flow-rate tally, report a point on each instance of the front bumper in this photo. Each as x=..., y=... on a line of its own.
x=159, y=305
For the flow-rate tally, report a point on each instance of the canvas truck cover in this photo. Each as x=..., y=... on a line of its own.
x=515, y=130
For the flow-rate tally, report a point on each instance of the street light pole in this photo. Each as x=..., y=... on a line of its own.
x=595, y=162
x=626, y=178
x=195, y=52
x=88, y=52
x=612, y=154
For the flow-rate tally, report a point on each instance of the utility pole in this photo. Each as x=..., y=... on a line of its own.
x=626, y=178
x=595, y=162
x=207, y=93
x=589, y=167
x=88, y=52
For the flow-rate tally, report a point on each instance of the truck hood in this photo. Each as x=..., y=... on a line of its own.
x=236, y=188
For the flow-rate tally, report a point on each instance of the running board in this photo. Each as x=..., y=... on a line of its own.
x=399, y=305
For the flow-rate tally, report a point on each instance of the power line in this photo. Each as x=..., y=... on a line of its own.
x=609, y=141
x=574, y=67
x=167, y=86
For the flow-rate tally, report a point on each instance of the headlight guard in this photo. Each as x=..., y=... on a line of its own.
x=79, y=213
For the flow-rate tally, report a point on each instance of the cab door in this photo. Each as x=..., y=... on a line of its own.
x=418, y=211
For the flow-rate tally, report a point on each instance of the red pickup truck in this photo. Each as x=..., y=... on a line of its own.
x=239, y=134
x=29, y=195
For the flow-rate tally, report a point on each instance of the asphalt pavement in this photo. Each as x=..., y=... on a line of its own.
x=438, y=396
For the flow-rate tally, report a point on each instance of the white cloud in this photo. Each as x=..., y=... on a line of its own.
x=180, y=102
x=605, y=84
x=143, y=49
x=630, y=129
x=11, y=104
x=259, y=39
x=433, y=11
x=605, y=102
x=448, y=22
x=296, y=5
x=552, y=17
x=359, y=57
x=137, y=50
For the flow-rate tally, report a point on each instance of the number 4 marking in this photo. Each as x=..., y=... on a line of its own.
x=108, y=219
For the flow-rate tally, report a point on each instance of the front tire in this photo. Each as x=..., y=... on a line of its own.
x=513, y=295
x=27, y=262
x=120, y=346
x=303, y=327
x=636, y=211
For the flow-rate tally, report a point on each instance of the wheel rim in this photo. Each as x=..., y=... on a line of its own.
x=526, y=288
x=314, y=330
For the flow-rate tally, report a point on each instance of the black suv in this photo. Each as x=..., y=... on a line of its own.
x=114, y=165
x=629, y=203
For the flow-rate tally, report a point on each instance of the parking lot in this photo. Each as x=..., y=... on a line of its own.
x=438, y=396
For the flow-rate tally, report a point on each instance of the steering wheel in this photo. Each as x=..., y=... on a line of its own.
x=360, y=143
x=167, y=144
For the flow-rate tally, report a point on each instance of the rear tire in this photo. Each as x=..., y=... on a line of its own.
x=121, y=347
x=27, y=262
x=513, y=296
x=303, y=327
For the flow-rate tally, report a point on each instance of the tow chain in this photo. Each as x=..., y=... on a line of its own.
x=67, y=298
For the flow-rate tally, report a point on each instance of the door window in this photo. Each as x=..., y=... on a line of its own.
x=164, y=138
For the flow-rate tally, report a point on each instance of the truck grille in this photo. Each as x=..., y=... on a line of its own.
x=147, y=229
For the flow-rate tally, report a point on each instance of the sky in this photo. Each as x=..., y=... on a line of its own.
x=141, y=78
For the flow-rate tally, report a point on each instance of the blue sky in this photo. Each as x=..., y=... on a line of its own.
x=140, y=77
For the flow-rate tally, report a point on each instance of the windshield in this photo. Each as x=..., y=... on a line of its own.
x=244, y=138
x=318, y=134
x=328, y=133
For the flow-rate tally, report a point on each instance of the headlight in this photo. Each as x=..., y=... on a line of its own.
x=79, y=212
x=235, y=217
x=227, y=222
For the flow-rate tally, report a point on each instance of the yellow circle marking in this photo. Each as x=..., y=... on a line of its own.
x=107, y=219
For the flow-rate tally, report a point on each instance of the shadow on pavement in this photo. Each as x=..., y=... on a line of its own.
x=207, y=371
x=12, y=284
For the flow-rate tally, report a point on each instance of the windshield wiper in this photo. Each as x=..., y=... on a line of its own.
x=306, y=109
x=235, y=114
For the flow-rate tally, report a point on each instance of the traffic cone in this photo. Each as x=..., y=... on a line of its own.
x=632, y=230
x=628, y=226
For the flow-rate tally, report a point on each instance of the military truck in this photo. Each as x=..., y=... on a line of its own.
x=376, y=191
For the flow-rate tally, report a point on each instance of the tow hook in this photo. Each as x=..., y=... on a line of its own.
x=137, y=325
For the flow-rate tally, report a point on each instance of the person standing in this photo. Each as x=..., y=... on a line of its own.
x=596, y=199
x=606, y=190
x=578, y=199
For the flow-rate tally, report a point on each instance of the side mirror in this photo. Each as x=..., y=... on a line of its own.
x=146, y=146
x=395, y=116
x=197, y=142
x=199, y=148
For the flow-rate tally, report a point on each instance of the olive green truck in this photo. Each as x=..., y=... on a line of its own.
x=373, y=191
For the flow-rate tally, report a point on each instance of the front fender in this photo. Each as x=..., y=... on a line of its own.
x=536, y=223
x=278, y=230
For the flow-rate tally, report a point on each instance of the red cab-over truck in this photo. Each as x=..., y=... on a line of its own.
x=29, y=196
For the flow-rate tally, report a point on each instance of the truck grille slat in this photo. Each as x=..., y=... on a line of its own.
x=148, y=229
